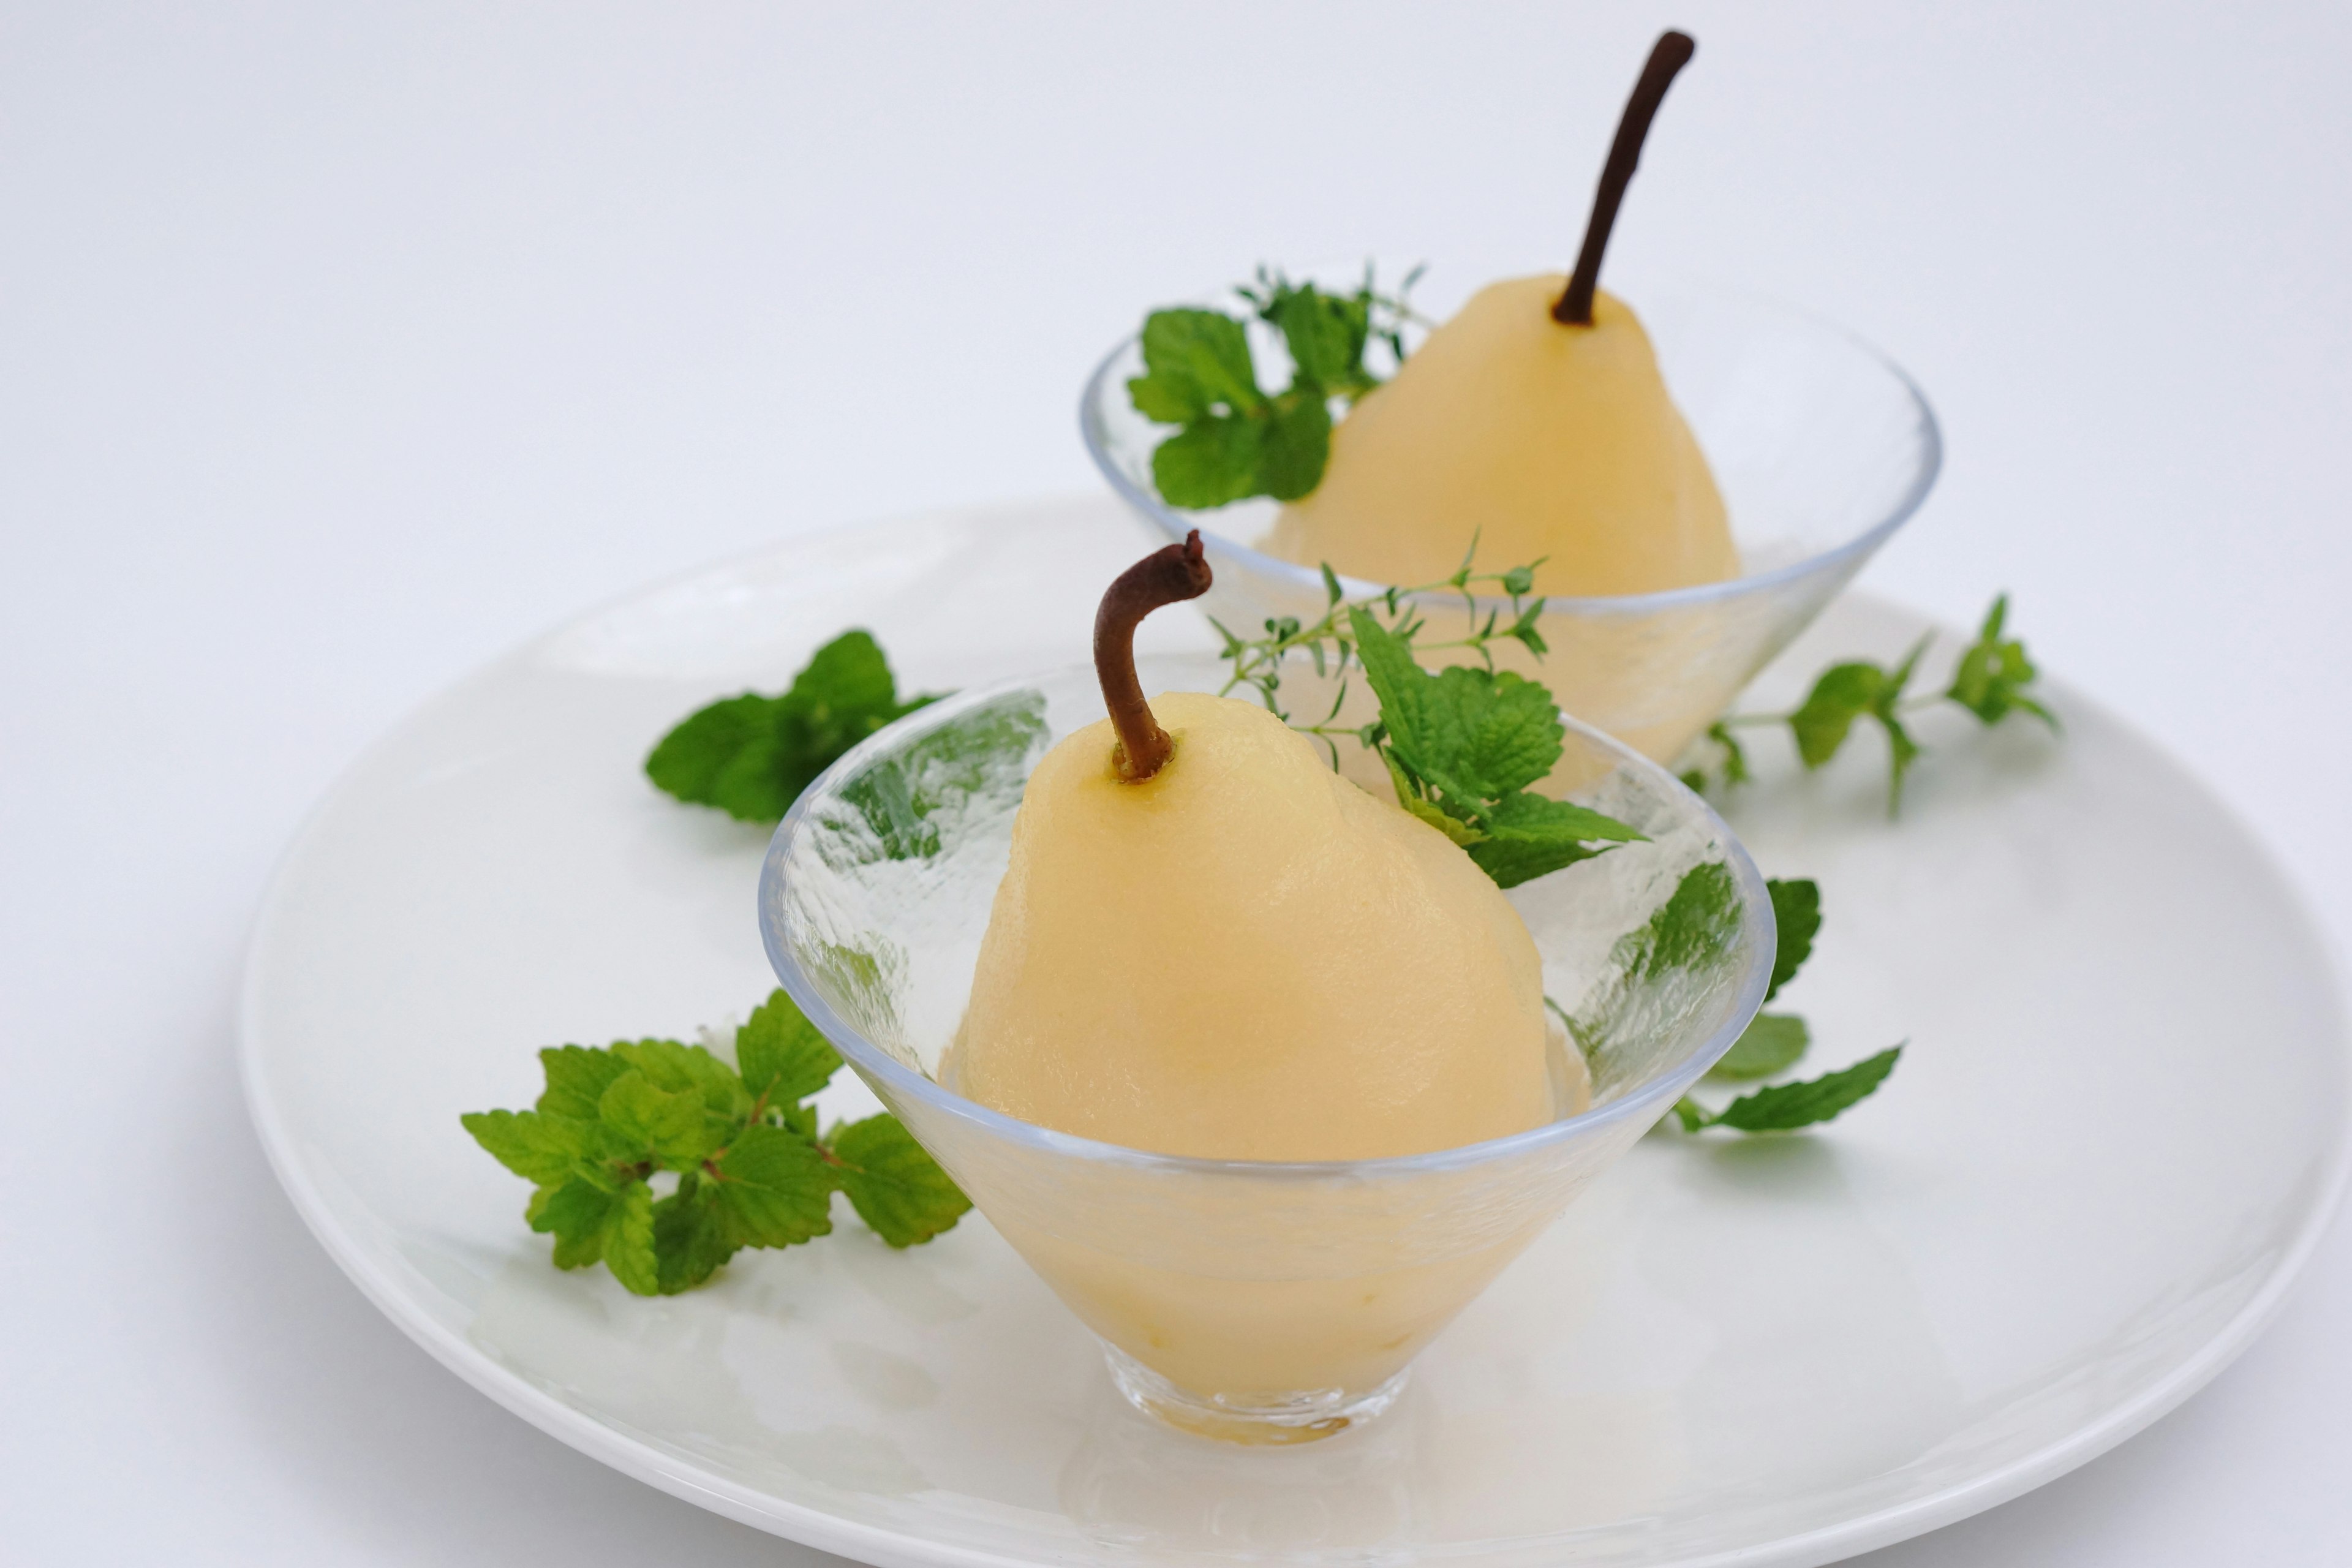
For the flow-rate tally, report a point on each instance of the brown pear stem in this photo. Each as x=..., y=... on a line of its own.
x=1670, y=54
x=1166, y=576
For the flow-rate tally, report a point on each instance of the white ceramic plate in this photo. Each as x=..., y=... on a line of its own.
x=2116, y=1135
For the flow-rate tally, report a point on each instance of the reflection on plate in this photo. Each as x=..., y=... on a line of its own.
x=2118, y=1130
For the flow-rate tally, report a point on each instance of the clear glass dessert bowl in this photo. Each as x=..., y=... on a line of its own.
x=1256, y=1300
x=1822, y=446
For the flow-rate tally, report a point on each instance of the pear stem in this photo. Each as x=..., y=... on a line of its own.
x=1166, y=576
x=1670, y=54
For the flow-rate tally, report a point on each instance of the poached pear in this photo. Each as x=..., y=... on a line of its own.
x=1534, y=423
x=1549, y=443
x=1208, y=944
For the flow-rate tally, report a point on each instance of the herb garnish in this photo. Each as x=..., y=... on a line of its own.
x=752, y=755
x=751, y=1167
x=1463, y=744
x=1237, y=439
x=1773, y=1042
x=1992, y=681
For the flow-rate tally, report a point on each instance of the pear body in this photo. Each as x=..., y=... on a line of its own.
x=1248, y=957
x=1546, y=442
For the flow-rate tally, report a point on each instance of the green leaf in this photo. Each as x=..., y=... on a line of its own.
x=1530, y=836
x=1196, y=363
x=1692, y=925
x=752, y=756
x=577, y=1077
x=1475, y=733
x=1735, y=756
x=774, y=1189
x=1991, y=677
x=1461, y=832
x=629, y=1240
x=679, y=1069
x=590, y=1223
x=672, y=1128
x=1902, y=752
x=980, y=753
x=1325, y=334
x=1787, y=1106
x=1844, y=693
x=894, y=1184
x=1771, y=1043
x=1797, y=919
x=575, y=1213
x=690, y=1241
x=784, y=1057
x=1296, y=446
x=1212, y=462
x=536, y=1146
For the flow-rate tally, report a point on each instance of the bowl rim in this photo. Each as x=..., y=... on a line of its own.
x=1175, y=522
x=1650, y=1101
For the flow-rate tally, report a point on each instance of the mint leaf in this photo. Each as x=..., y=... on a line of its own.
x=774, y=1189
x=1212, y=462
x=1295, y=446
x=1235, y=440
x=894, y=1184
x=590, y=1223
x=784, y=1057
x=679, y=1069
x=982, y=753
x=1692, y=925
x=1787, y=1106
x=690, y=1241
x=1735, y=756
x=537, y=1147
x=752, y=756
x=1771, y=1043
x=1326, y=334
x=1196, y=363
x=629, y=1240
x=1991, y=677
x=1461, y=832
x=671, y=1128
x=1530, y=836
x=1844, y=693
x=1474, y=734
x=577, y=1077
x=1475, y=740
x=1797, y=918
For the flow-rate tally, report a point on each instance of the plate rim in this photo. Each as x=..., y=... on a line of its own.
x=892, y=1548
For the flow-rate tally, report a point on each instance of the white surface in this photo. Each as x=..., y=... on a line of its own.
x=343, y=350
x=1776, y=1353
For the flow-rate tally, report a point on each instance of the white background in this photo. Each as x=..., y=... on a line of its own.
x=343, y=346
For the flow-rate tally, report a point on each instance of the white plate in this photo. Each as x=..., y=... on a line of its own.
x=2115, y=1138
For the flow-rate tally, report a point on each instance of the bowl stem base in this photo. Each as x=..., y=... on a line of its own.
x=1303, y=1417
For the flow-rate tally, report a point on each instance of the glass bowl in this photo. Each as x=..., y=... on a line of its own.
x=1821, y=447
x=1256, y=1300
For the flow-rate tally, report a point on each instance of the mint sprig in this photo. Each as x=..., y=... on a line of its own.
x=750, y=1167
x=1991, y=680
x=1462, y=744
x=1236, y=439
x=1786, y=1106
x=751, y=756
x=1774, y=1042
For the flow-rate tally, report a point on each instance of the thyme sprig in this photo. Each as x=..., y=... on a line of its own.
x=1330, y=644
